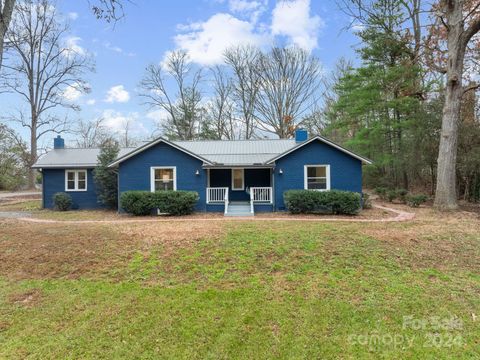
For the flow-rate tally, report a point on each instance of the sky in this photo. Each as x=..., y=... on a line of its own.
x=203, y=28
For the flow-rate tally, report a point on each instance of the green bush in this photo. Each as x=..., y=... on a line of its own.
x=366, y=201
x=62, y=201
x=416, y=200
x=381, y=192
x=312, y=202
x=138, y=203
x=141, y=203
x=176, y=202
x=402, y=195
x=391, y=195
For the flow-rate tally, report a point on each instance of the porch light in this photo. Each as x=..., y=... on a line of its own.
x=280, y=171
x=197, y=172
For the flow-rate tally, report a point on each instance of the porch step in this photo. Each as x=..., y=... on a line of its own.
x=238, y=210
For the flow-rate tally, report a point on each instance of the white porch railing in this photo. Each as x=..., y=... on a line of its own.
x=217, y=195
x=260, y=195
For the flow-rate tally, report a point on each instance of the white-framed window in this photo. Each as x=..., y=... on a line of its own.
x=317, y=177
x=75, y=180
x=163, y=178
x=238, y=179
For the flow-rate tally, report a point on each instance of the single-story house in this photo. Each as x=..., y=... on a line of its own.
x=230, y=176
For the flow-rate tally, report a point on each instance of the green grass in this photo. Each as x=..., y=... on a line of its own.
x=24, y=205
x=261, y=290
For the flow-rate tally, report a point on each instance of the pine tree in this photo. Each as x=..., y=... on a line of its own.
x=106, y=178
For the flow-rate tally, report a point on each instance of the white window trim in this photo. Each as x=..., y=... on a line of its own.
x=305, y=176
x=76, y=180
x=152, y=176
x=243, y=180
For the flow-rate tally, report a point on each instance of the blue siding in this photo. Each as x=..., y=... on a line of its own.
x=54, y=181
x=134, y=173
x=345, y=171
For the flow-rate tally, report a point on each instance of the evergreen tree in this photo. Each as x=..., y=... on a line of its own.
x=106, y=178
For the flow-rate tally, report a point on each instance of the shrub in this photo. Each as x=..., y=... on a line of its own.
x=176, y=202
x=143, y=203
x=106, y=178
x=402, y=195
x=366, y=201
x=333, y=202
x=416, y=200
x=380, y=191
x=62, y=201
x=138, y=203
x=391, y=195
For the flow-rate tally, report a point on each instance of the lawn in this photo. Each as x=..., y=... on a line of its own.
x=242, y=289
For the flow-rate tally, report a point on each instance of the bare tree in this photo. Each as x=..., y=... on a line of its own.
x=182, y=105
x=6, y=10
x=243, y=61
x=91, y=133
x=461, y=21
x=41, y=69
x=289, y=80
x=108, y=10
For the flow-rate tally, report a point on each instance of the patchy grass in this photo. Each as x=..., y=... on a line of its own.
x=21, y=205
x=242, y=289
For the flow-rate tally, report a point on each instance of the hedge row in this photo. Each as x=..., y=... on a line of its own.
x=332, y=202
x=167, y=202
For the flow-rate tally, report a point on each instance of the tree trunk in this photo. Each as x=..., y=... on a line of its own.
x=33, y=159
x=446, y=193
x=5, y=17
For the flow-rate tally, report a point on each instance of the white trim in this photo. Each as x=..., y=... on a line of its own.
x=328, y=142
x=152, y=176
x=155, y=142
x=75, y=179
x=305, y=176
x=243, y=180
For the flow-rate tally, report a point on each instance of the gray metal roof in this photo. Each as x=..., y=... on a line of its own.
x=238, y=152
x=59, y=158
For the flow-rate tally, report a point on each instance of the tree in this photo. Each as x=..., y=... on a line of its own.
x=42, y=69
x=12, y=159
x=91, y=133
x=106, y=178
x=242, y=61
x=6, y=10
x=184, y=106
x=288, y=82
x=461, y=21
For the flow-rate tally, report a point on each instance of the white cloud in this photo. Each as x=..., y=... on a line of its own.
x=91, y=102
x=119, y=122
x=292, y=19
x=72, y=16
x=158, y=116
x=117, y=49
x=252, y=9
x=72, y=47
x=72, y=93
x=117, y=94
x=205, y=42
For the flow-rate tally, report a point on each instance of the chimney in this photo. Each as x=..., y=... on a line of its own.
x=301, y=135
x=58, y=142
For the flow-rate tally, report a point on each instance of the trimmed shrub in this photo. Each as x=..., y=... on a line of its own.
x=141, y=203
x=176, y=202
x=62, y=201
x=315, y=202
x=366, y=201
x=138, y=203
x=416, y=200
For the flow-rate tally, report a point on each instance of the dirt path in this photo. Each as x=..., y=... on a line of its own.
x=399, y=216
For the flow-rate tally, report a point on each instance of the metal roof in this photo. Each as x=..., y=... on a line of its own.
x=59, y=158
x=211, y=152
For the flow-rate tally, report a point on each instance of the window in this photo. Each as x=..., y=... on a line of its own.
x=238, y=179
x=163, y=178
x=317, y=177
x=75, y=180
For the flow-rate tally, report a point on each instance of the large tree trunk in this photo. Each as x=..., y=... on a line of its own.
x=5, y=17
x=446, y=193
x=33, y=159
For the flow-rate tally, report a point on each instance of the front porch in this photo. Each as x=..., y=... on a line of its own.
x=240, y=191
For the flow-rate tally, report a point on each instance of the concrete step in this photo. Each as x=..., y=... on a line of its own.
x=239, y=209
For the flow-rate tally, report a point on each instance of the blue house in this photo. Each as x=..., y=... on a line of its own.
x=235, y=177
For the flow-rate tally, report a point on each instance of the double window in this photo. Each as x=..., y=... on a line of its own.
x=75, y=180
x=163, y=178
x=238, y=179
x=317, y=177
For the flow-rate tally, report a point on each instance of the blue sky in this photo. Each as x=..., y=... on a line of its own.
x=201, y=27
